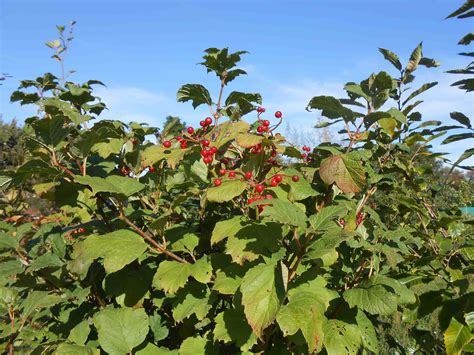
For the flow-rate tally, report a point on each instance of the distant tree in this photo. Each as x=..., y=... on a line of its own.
x=11, y=150
x=173, y=125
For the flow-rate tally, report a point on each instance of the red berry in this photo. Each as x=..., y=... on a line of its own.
x=205, y=143
x=274, y=182
x=268, y=197
x=205, y=152
x=225, y=161
x=231, y=174
x=213, y=150
x=208, y=159
x=190, y=130
x=273, y=153
x=342, y=221
x=208, y=121
x=166, y=144
x=295, y=178
x=278, y=178
x=152, y=169
x=248, y=174
x=278, y=114
x=184, y=145
x=260, y=129
x=81, y=230
x=222, y=172
x=262, y=109
x=259, y=188
x=217, y=182
x=266, y=123
x=135, y=141
x=304, y=155
x=179, y=138
x=202, y=123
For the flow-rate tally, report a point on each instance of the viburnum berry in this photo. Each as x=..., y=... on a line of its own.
x=184, y=145
x=205, y=152
x=266, y=123
x=152, y=169
x=273, y=153
x=167, y=144
x=274, y=182
x=260, y=129
x=248, y=174
x=304, y=155
x=259, y=188
x=260, y=109
x=179, y=138
x=222, y=172
x=268, y=197
x=213, y=150
x=217, y=182
x=231, y=174
x=202, y=123
x=342, y=221
x=278, y=114
x=205, y=143
x=190, y=130
x=278, y=178
x=225, y=161
x=81, y=230
x=207, y=159
x=295, y=178
x=208, y=121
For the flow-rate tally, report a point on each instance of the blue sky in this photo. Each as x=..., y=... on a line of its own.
x=145, y=50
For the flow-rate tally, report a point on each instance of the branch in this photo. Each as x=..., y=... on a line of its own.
x=160, y=248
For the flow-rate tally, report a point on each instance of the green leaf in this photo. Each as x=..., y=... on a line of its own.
x=245, y=102
x=45, y=261
x=72, y=349
x=374, y=299
x=227, y=191
x=341, y=338
x=458, y=137
x=347, y=173
x=193, y=345
x=369, y=336
x=422, y=89
x=247, y=140
x=285, y=212
x=114, y=184
x=51, y=131
x=231, y=327
x=120, y=330
x=374, y=117
x=80, y=333
x=325, y=217
x=461, y=118
x=306, y=313
x=129, y=286
x=117, y=249
x=263, y=292
x=197, y=93
x=224, y=229
x=37, y=300
x=192, y=299
x=456, y=336
x=172, y=275
x=331, y=108
x=415, y=58
x=391, y=57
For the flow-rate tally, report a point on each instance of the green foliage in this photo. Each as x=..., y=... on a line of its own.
x=192, y=247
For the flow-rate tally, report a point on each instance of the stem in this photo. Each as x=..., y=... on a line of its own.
x=160, y=248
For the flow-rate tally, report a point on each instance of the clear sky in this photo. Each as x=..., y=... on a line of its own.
x=145, y=50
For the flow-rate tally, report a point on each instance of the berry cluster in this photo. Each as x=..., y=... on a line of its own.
x=360, y=218
x=79, y=230
x=306, y=151
x=264, y=125
x=260, y=198
x=191, y=137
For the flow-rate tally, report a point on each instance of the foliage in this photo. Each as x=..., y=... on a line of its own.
x=207, y=243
